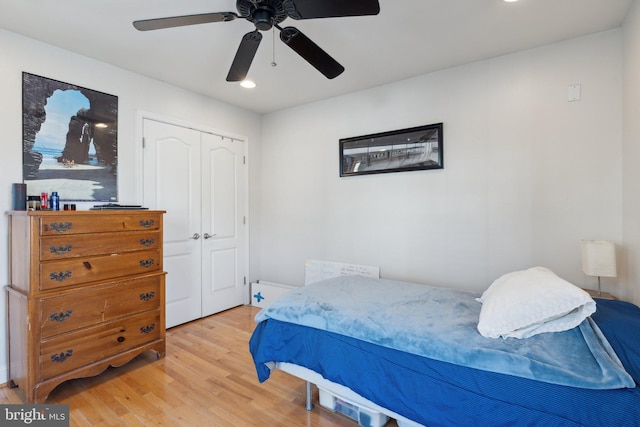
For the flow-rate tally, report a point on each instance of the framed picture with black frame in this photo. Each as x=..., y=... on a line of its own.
x=412, y=149
x=70, y=140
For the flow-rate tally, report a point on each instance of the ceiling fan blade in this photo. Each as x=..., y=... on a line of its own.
x=310, y=9
x=181, y=21
x=311, y=52
x=244, y=56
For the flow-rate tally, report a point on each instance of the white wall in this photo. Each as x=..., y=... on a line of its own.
x=527, y=174
x=631, y=150
x=135, y=94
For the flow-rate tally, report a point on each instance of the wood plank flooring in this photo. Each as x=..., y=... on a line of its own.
x=206, y=379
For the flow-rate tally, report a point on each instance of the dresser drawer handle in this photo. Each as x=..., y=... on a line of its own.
x=60, y=250
x=147, y=242
x=148, y=328
x=63, y=275
x=62, y=356
x=87, y=265
x=147, y=296
x=60, y=317
x=120, y=339
x=146, y=263
x=60, y=227
x=146, y=223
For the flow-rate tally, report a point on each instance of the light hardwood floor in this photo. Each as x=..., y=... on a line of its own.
x=206, y=379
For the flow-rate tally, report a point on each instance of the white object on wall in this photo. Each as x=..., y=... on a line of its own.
x=316, y=270
x=574, y=92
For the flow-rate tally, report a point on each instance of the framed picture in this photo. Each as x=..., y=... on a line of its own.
x=412, y=149
x=69, y=140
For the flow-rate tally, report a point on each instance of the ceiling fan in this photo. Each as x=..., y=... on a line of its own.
x=266, y=14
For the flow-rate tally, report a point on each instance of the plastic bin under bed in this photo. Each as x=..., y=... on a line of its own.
x=364, y=416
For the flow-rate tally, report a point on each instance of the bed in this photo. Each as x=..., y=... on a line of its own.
x=583, y=375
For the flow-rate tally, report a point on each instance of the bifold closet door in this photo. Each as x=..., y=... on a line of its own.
x=198, y=178
x=223, y=224
x=172, y=183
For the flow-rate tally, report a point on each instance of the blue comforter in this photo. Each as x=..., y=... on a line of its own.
x=441, y=324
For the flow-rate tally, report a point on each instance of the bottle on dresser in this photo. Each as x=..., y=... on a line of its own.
x=55, y=201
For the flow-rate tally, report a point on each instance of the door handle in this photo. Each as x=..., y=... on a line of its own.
x=208, y=236
x=196, y=236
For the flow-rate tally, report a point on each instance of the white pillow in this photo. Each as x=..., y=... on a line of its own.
x=529, y=302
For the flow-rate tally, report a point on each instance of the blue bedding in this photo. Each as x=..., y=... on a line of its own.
x=441, y=324
x=436, y=393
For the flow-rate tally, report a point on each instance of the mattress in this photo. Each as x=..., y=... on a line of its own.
x=436, y=393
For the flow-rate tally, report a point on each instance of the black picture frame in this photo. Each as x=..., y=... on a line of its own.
x=69, y=140
x=411, y=149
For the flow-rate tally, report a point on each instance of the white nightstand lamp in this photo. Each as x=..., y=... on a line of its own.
x=599, y=259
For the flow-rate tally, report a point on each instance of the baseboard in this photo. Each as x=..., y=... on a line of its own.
x=4, y=375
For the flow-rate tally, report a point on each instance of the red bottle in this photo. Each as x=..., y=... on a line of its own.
x=44, y=201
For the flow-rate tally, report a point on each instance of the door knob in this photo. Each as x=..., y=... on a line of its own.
x=208, y=236
x=196, y=236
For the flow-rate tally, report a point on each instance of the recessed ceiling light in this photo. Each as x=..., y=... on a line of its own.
x=247, y=84
x=510, y=1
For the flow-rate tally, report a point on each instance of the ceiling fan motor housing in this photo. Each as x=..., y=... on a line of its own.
x=263, y=13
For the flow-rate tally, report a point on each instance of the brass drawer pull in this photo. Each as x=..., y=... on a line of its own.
x=148, y=328
x=146, y=223
x=62, y=356
x=60, y=227
x=146, y=263
x=63, y=275
x=60, y=317
x=147, y=242
x=147, y=296
x=60, y=250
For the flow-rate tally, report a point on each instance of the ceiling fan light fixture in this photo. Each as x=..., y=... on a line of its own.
x=247, y=84
x=263, y=19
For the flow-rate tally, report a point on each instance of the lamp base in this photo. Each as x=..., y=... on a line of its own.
x=597, y=294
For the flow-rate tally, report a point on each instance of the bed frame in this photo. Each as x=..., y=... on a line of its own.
x=313, y=378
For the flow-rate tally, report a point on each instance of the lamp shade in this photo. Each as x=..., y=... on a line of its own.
x=599, y=258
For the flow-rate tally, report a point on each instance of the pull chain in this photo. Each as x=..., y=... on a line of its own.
x=273, y=60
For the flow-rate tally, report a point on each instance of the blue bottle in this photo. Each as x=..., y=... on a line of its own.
x=55, y=201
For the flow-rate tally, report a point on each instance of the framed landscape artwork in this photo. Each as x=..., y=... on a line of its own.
x=411, y=149
x=70, y=140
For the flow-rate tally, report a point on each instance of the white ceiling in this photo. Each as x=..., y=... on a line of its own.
x=407, y=38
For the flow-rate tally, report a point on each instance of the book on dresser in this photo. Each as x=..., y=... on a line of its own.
x=87, y=292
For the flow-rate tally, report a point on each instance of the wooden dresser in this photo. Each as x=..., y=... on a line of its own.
x=86, y=293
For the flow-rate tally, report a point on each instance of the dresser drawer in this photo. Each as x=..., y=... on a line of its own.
x=74, y=350
x=70, y=246
x=89, y=306
x=91, y=223
x=75, y=271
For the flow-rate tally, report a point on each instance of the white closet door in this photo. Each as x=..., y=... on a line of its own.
x=172, y=183
x=223, y=223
